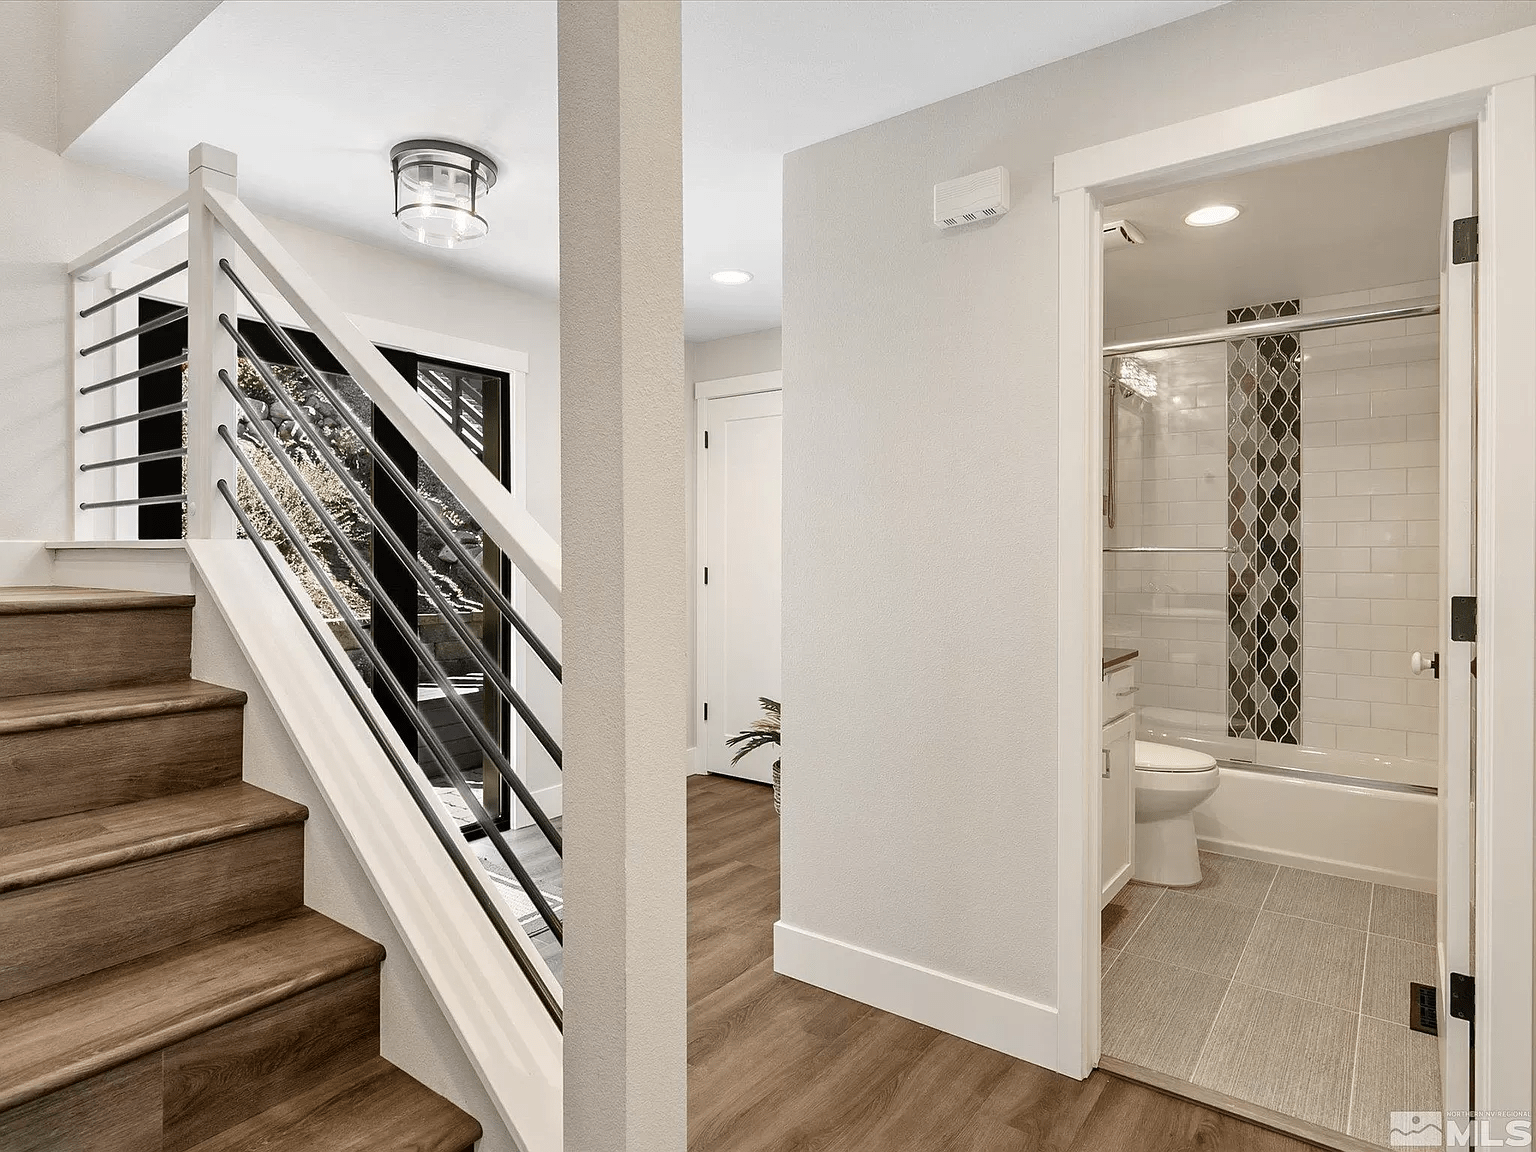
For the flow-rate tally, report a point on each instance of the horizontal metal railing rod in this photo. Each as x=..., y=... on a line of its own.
x=136, y=502
x=1279, y=326
x=407, y=771
x=158, y=322
x=383, y=602
x=143, y=458
x=147, y=414
x=472, y=643
x=489, y=586
x=406, y=700
x=147, y=370
x=127, y=293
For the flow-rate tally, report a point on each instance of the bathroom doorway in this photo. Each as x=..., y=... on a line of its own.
x=1286, y=511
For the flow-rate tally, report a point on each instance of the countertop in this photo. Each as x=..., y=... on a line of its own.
x=1115, y=657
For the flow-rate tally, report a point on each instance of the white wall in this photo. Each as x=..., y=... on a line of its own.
x=920, y=484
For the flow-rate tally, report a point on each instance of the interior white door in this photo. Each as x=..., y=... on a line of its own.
x=1458, y=526
x=741, y=555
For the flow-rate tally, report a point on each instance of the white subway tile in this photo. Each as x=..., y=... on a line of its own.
x=1372, y=533
x=1353, y=406
x=1336, y=300
x=1317, y=436
x=1373, y=482
x=1380, y=330
x=1348, y=459
x=1321, y=535
x=1424, y=533
x=1338, y=711
x=1405, y=349
x=1315, y=635
x=1402, y=402
x=1320, y=483
x=1415, y=613
x=1211, y=536
x=1331, y=610
x=1372, y=637
x=1423, y=427
x=1394, y=664
x=1375, y=741
x=1324, y=684
x=1318, y=583
x=1404, y=718
x=1315, y=735
x=1424, y=374
x=1420, y=324
x=1349, y=661
x=1405, y=559
x=1158, y=672
x=1317, y=337
x=1335, y=358
x=1409, y=454
x=1424, y=585
x=1340, y=560
x=1422, y=746
x=1332, y=509
x=1370, y=379
x=1376, y=585
x=1376, y=689
x=1316, y=381
x=1385, y=430
x=1420, y=506
x=1423, y=693
x=1413, y=290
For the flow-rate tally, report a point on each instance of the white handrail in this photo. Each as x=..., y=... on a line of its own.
x=165, y=223
x=531, y=549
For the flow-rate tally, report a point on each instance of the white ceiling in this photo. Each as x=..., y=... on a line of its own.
x=1360, y=219
x=312, y=96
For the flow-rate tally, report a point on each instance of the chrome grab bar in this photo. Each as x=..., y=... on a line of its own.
x=147, y=414
x=145, y=458
x=158, y=322
x=150, y=369
x=408, y=773
x=382, y=601
x=134, y=291
x=407, y=556
x=136, y=502
x=381, y=459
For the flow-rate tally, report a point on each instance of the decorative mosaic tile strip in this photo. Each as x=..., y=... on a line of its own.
x=1264, y=531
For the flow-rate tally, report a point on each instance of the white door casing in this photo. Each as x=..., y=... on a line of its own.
x=740, y=548
x=1458, y=480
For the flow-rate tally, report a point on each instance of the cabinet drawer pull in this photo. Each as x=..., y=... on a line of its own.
x=1128, y=692
x=1106, y=763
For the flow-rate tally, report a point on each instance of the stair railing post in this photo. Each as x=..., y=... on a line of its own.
x=209, y=348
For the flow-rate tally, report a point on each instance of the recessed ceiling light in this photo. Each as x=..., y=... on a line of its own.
x=1211, y=215
x=732, y=276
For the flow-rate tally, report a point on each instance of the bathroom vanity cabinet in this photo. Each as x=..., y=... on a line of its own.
x=1117, y=773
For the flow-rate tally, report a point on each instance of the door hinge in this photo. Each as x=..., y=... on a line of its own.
x=1464, y=240
x=706, y=438
x=1463, y=617
x=1463, y=996
x=706, y=573
x=706, y=711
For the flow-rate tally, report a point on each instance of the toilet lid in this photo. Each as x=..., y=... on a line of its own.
x=1168, y=758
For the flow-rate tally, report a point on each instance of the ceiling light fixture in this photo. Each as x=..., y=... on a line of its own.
x=1211, y=215
x=438, y=189
x=734, y=277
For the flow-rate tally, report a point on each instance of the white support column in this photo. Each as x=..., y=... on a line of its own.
x=625, y=631
x=209, y=347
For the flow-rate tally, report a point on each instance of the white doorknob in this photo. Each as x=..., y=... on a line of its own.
x=1420, y=665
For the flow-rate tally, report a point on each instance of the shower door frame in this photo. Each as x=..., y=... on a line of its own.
x=1490, y=83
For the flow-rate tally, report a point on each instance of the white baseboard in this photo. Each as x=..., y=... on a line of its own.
x=986, y=1016
x=136, y=565
x=550, y=799
x=24, y=563
x=1322, y=864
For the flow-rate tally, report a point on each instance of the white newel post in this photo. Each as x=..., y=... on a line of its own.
x=624, y=574
x=210, y=293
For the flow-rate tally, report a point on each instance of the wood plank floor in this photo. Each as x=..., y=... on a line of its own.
x=775, y=1065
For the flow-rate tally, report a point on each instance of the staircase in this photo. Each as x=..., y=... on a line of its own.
x=162, y=985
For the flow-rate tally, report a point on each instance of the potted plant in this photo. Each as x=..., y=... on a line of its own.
x=762, y=732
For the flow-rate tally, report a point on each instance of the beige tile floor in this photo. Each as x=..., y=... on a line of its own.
x=1281, y=987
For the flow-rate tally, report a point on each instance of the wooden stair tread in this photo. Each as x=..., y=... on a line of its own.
x=102, y=705
x=64, y=1033
x=62, y=598
x=52, y=849
x=375, y=1107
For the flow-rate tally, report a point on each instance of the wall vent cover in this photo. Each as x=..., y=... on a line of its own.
x=979, y=196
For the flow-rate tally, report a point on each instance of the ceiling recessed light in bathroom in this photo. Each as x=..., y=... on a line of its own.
x=1211, y=215
x=734, y=277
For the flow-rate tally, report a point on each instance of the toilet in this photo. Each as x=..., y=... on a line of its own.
x=1171, y=783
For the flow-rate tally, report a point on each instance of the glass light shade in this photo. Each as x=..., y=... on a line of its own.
x=439, y=188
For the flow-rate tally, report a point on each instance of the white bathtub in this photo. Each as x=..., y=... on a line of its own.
x=1360, y=831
